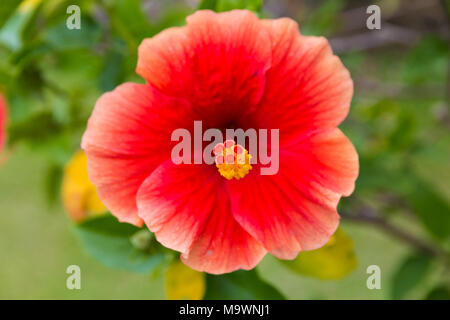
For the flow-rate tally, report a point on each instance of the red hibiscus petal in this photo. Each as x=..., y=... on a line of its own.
x=216, y=60
x=189, y=211
x=307, y=87
x=127, y=137
x=328, y=158
x=295, y=209
x=223, y=246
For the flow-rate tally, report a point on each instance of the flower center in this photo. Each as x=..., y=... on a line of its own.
x=232, y=160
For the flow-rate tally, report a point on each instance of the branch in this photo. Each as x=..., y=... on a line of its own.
x=368, y=216
x=387, y=35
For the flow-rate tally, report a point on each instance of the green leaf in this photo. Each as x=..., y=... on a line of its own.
x=111, y=243
x=11, y=35
x=427, y=62
x=37, y=128
x=59, y=37
x=410, y=274
x=432, y=209
x=208, y=4
x=439, y=293
x=325, y=19
x=6, y=9
x=245, y=285
x=129, y=21
x=227, y=5
x=110, y=75
x=52, y=183
x=83, y=67
x=252, y=5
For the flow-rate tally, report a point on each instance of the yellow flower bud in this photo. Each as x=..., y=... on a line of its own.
x=183, y=283
x=79, y=195
x=333, y=261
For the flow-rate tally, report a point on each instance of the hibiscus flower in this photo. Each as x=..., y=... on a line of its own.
x=228, y=70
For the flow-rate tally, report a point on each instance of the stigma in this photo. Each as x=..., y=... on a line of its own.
x=232, y=160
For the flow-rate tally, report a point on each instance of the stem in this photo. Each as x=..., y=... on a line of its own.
x=387, y=35
x=367, y=215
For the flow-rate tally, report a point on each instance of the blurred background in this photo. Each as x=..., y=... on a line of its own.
x=398, y=218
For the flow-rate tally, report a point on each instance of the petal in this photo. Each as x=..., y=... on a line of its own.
x=307, y=86
x=328, y=158
x=189, y=211
x=223, y=246
x=217, y=59
x=295, y=209
x=127, y=137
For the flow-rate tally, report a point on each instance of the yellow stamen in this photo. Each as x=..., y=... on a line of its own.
x=233, y=164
